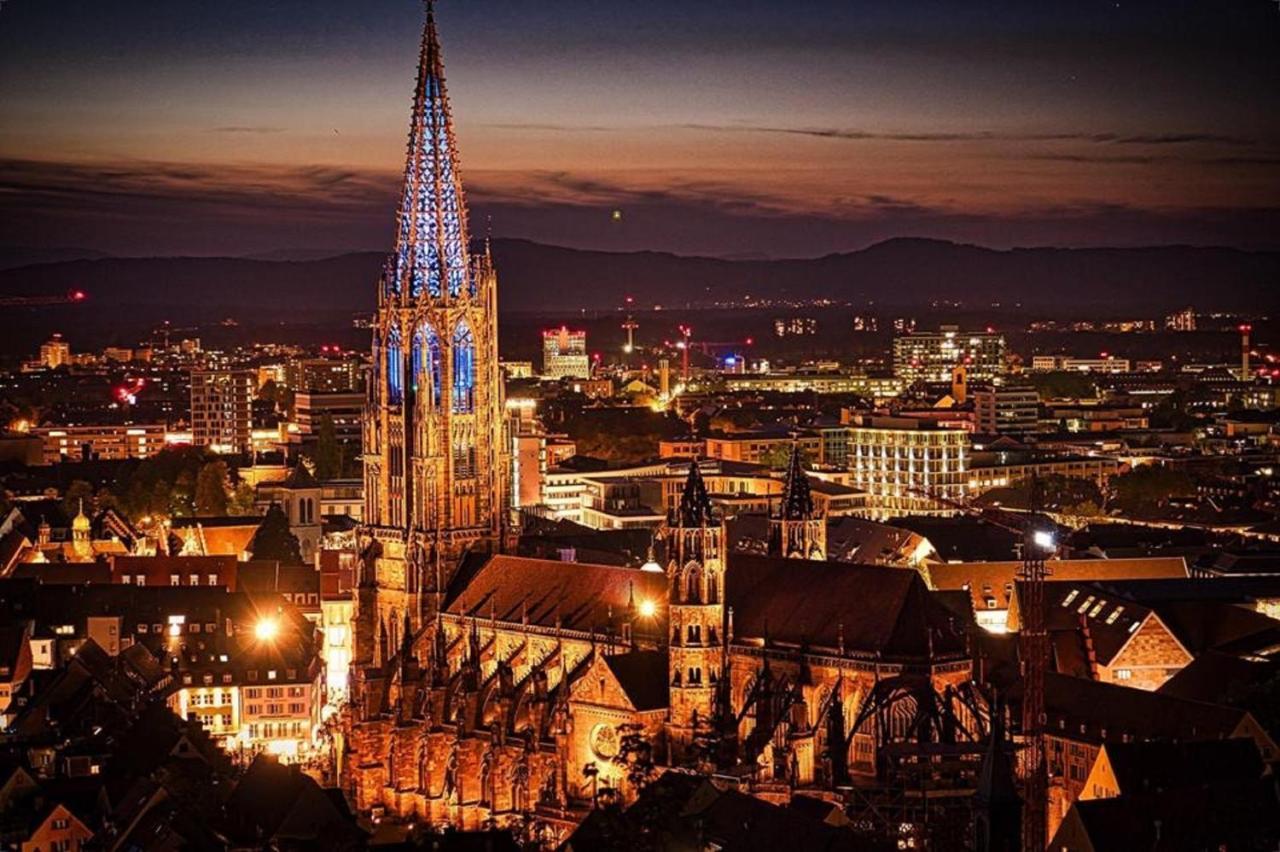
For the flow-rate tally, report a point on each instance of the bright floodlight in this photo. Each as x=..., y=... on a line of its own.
x=652, y=567
x=266, y=629
x=1044, y=540
x=648, y=608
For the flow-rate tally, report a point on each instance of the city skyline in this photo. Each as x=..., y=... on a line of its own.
x=709, y=130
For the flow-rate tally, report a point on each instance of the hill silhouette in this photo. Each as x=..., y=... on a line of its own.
x=534, y=276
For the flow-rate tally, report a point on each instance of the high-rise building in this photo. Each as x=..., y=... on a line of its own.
x=1006, y=409
x=903, y=463
x=324, y=375
x=564, y=354
x=436, y=464
x=1183, y=320
x=55, y=352
x=930, y=356
x=222, y=409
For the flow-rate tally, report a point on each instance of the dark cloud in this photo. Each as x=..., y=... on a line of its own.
x=160, y=208
x=854, y=134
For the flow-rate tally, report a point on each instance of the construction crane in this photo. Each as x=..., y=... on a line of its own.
x=71, y=297
x=1033, y=650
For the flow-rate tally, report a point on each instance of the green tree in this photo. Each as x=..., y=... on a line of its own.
x=1144, y=490
x=211, y=489
x=1064, y=385
x=779, y=457
x=77, y=493
x=273, y=540
x=182, y=502
x=328, y=450
x=635, y=755
x=242, y=498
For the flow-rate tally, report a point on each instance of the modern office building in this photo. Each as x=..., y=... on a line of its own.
x=345, y=409
x=222, y=409
x=931, y=356
x=1069, y=363
x=564, y=354
x=106, y=442
x=1006, y=409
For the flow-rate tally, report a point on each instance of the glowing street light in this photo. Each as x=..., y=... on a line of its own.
x=1044, y=539
x=648, y=609
x=266, y=629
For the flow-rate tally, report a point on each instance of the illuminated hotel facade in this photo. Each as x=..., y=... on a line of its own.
x=902, y=462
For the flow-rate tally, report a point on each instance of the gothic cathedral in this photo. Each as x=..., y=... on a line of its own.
x=435, y=462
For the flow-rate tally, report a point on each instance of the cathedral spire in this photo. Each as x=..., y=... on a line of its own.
x=695, y=504
x=431, y=256
x=797, y=501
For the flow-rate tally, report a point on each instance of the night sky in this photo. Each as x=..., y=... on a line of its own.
x=784, y=128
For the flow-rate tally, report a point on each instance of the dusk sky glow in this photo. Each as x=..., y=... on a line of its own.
x=796, y=128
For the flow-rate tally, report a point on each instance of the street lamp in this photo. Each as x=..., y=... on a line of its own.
x=266, y=629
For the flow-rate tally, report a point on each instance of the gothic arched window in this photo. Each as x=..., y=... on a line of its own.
x=427, y=360
x=464, y=369
x=395, y=366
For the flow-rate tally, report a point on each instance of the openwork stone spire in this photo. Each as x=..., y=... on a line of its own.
x=431, y=256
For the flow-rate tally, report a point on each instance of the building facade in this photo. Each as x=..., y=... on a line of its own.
x=564, y=354
x=1006, y=409
x=55, y=353
x=903, y=464
x=222, y=409
x=108, y=441
x=931, y=356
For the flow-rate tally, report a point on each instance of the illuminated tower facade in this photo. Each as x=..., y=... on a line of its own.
x=695, y=543
x=435, y=463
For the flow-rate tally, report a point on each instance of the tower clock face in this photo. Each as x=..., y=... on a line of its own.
x=604, y=742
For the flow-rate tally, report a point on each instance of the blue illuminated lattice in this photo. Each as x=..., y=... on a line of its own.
x=431, y=244
x=464, y=369
x=426, y=357
x=395, y=366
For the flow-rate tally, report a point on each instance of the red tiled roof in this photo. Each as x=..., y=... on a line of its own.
x=582, y=596
x=992, y=579
x=877, y=609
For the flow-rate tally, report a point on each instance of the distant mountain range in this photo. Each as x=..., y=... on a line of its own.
x=535, y=277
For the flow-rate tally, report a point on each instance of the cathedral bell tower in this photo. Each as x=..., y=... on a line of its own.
x=695, y=545
x=796, y=529
x=435, y=461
